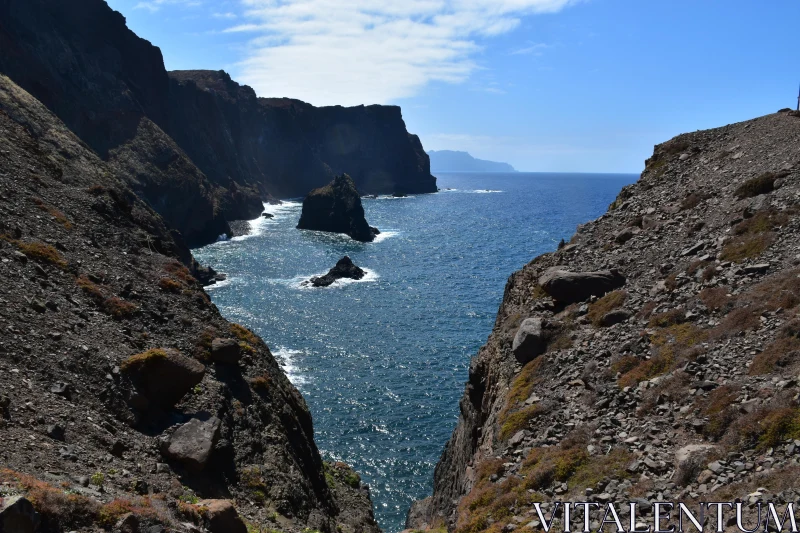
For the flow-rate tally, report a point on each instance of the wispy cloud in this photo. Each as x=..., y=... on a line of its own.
x=533, y=49
x=370, y=51
x=226, y=16
x=156, y=5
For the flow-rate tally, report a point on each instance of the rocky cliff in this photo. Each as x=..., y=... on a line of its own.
x=197, y=147
x=337, y=208
x=288, y=147
x=653, y=357
x=124, y=395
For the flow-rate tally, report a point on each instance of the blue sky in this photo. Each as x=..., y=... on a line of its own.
x=546, y=85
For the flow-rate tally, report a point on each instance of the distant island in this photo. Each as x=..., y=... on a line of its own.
x=453, y=161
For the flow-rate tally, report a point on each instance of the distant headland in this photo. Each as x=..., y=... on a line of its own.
x=453, y=161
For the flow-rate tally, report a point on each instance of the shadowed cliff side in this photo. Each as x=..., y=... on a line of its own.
x=289, y=147
x=123, y=391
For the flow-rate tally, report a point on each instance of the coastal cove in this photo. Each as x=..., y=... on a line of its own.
x=382, y=361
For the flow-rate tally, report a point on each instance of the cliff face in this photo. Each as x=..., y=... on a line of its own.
x=194, y=138
x=288, y=147
x=122, y=389
x=680, y=384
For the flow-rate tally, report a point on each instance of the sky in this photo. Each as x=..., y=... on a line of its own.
x=546, y=85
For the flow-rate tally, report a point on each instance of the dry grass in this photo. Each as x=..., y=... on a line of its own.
x=609, y=302
x=53, y=212
x=718, y=406
x=667, y=318
x=673, y=345
x=170, y=285
x=514, y=421
x=143, y=359
x=762, y=222
x=38, y=251
x=112, y=305
x=180, y=272
x=764, y=428
x=746, y=247
x=262, y=382
x=763, y=184
x=244, y=334
x=782, y=353
x=716, y=298
x=739, y=320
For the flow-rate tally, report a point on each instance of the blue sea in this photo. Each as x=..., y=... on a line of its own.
x=382, y=361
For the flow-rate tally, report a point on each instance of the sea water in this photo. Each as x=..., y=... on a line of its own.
x=382, y=361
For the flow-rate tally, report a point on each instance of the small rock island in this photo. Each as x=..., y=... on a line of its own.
x=345, y=268
x=337, y=208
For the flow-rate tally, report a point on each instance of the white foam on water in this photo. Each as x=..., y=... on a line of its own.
x=385, y=234
x=472, y=191
x=288, y=359
x=390, y=197
x=301, y=282
x=483, y=191
x=218, y=285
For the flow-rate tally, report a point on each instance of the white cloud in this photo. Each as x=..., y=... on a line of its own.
x=155, y=5
x=534, y=49
x=370, y=51
x=227, y=16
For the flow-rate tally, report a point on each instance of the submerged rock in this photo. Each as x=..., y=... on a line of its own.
x=337, y=208
x=345, y=268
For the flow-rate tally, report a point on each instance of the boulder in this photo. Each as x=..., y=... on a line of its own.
x=529, y=342
x=690, y=460
x=221, y=517
x=17, y=515
x=345, y=268
x=193, y=442
x=226, y=351
x=337, y=208
x=616, y=316
x=572, y=287
x=162, y=377
x=624, y=236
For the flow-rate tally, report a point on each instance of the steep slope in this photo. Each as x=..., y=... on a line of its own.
x=289, y=147
x=110, y=88
x=122, y=389
x=679, y=385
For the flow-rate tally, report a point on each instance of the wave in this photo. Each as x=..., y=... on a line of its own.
x=386, y=234
x=218, y=285
x=288, y=359
x=299, y=282
x=472, y=191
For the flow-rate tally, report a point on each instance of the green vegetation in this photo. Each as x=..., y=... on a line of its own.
x=140, y=360
x=762, y=184
x=609, y=302
x=97, y=479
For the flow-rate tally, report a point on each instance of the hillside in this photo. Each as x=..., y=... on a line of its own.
x=452, y=161
x=124, y=394
x=197, y=147
x=669, y=372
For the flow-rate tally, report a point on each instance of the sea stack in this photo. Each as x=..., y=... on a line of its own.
x=337, y=208
x=345, y=268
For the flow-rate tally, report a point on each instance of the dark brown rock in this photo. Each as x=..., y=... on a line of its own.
x=530, y=341
x=163, y=376
x=336, y=208
x=222, y=517
x=344, y=269
x=193, y=442
x=571, y=287
x=226, y=351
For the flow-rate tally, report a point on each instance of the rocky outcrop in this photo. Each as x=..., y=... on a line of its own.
x=572, y=287
x=288, y=147
x=337, y=208
x=675, y=382
x=104, y=321
x=197, y=147
x=344, y=269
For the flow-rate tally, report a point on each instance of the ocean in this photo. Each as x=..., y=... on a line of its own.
x=382, y=361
